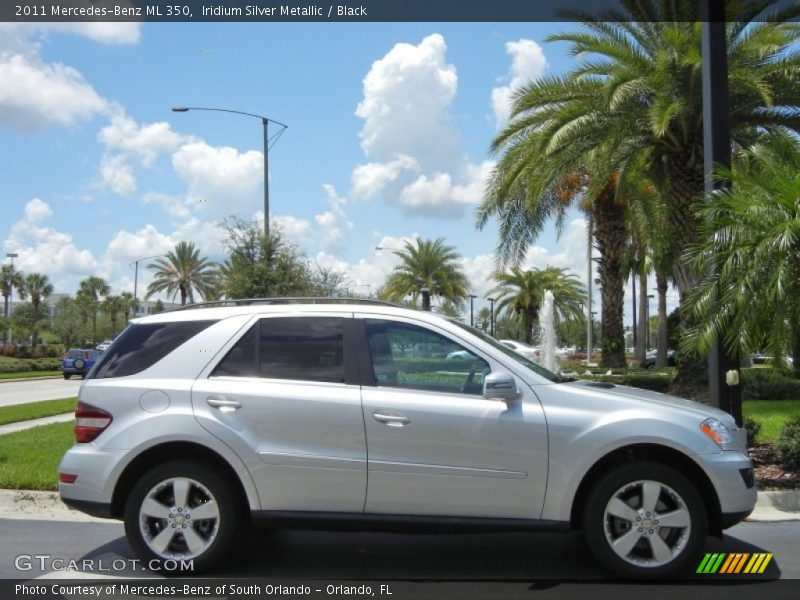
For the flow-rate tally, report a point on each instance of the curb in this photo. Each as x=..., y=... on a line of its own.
x=18, y=379
x=777, y=506
x=30, y=423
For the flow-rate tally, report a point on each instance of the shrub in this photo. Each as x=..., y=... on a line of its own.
x=751, y=427
x=769, y=384
x=788, y=445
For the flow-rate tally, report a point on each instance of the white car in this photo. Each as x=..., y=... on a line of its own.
x=104, y=345
x=526, y=350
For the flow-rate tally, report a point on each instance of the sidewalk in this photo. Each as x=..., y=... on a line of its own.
x=22, y=425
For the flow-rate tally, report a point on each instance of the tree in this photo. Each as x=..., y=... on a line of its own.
x=38, y=288
x=483, y=319
x=428, y=268
x=260, y=266
x=750, y=241
x=521, y=293
x=10, y=280
x=68, y=322
x=113, y=307
x=448, y=308
x=636, y=101
x=330, y=282
x=182, y=271
x=90, y=290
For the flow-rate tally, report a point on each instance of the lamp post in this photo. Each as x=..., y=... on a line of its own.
x=589, y=295
x=491, y=316
x=136, y=281
x=12, y=256
x=265, y=122
x=471, y=313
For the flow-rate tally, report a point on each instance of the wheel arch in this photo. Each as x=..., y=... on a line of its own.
x=657, y=453
x=166, y=452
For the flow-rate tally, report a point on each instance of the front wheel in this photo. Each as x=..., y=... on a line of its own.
x=182, y=513
x=645, y=520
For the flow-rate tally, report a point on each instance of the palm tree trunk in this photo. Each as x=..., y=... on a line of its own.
x=35, y=328
x=609, y=231
x=426, y=300
x=5, y=314
x=686, y=185
x=661, y=346
x=94, y=327
x=528, y=318
x=641, y=324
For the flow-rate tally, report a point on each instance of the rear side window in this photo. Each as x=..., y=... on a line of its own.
x=141, y=346
x=296, y=348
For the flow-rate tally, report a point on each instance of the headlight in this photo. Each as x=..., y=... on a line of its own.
x=719, y=434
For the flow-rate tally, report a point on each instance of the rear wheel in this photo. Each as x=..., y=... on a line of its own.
x=182, y=511
x=67, y=375
x=645, y=519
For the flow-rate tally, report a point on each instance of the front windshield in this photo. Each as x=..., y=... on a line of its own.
x=536, y=368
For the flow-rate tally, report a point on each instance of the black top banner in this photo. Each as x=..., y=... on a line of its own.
x=361, y=10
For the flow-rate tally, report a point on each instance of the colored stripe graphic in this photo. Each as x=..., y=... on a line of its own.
x=734, y=563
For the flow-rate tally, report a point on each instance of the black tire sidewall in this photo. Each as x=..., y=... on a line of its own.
x=220, y=488
x=613, y=480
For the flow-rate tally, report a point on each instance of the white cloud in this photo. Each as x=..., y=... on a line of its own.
x=439, y=196
x=117, y=174
x=297, y=231
x=43, y=249
x=368, y=180
x=103, y=32
x=528, y=64
x=406, y=106
x=34, y=94
x=333, y=223
x=145, y=142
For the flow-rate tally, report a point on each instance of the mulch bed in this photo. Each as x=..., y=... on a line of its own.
x=770, y=474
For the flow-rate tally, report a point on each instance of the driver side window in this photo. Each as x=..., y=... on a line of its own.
x=412, y=357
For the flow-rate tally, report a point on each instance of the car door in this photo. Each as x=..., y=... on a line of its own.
x=284, y=392
x=435, y=445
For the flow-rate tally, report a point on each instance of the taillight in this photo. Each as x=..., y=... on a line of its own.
x=90, y=422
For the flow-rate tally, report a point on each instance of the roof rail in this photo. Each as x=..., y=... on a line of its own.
x=274, y=301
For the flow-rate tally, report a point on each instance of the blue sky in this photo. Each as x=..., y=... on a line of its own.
x=389, y=128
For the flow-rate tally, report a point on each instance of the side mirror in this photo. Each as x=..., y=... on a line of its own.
x=500, y=386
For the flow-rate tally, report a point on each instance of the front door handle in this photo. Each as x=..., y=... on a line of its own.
x=222, y=403
x=391, y=419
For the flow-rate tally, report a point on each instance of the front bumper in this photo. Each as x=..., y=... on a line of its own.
x=731, y=474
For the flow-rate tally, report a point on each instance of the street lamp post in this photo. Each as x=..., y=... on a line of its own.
x=471, y=312
x=491, y=316
x=265, y=122
x=136, y=281
x=12, y=256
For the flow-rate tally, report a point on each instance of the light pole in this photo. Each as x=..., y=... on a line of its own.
x=265, y=122
x=12, y=256
x=471, y=313
x=491, y=316
x=136, y=281
x=589, y=295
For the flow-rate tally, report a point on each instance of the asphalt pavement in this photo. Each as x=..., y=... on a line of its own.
x=37, y=390
x=292, y=555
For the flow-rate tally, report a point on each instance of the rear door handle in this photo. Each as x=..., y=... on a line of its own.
x=391, y=419
x=222, y=403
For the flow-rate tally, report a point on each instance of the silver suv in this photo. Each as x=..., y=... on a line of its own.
x=348, y=414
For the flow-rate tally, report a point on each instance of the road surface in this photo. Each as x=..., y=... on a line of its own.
x=37, y=390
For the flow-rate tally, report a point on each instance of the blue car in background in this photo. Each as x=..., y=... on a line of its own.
x=79, y=362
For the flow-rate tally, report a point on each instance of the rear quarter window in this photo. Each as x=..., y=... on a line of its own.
x=141, y=346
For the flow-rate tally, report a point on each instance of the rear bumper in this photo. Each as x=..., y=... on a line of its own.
x=95, y=509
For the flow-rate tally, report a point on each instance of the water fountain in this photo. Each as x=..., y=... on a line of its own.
x=547, y=326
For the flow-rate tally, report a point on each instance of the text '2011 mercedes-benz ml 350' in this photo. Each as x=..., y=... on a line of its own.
x=361, y=414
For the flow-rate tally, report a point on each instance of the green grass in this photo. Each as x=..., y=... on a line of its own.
x=29, y=459
x=29, y=374
x=772, y=415
x=36, y=410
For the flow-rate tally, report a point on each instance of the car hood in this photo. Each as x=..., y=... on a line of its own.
x=612, y=390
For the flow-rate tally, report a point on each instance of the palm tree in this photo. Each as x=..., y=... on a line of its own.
x=114, y=306
x=427, y=268
x=10, y=279
x=520, y=293
x=183, y=271
x=90, y=290
x=751, y=238
x=635, y=101
x=38, y=287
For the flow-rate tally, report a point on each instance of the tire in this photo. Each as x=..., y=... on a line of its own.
x=79, y=363
x=620, y=501
x=213, y=536
x=67, y=375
